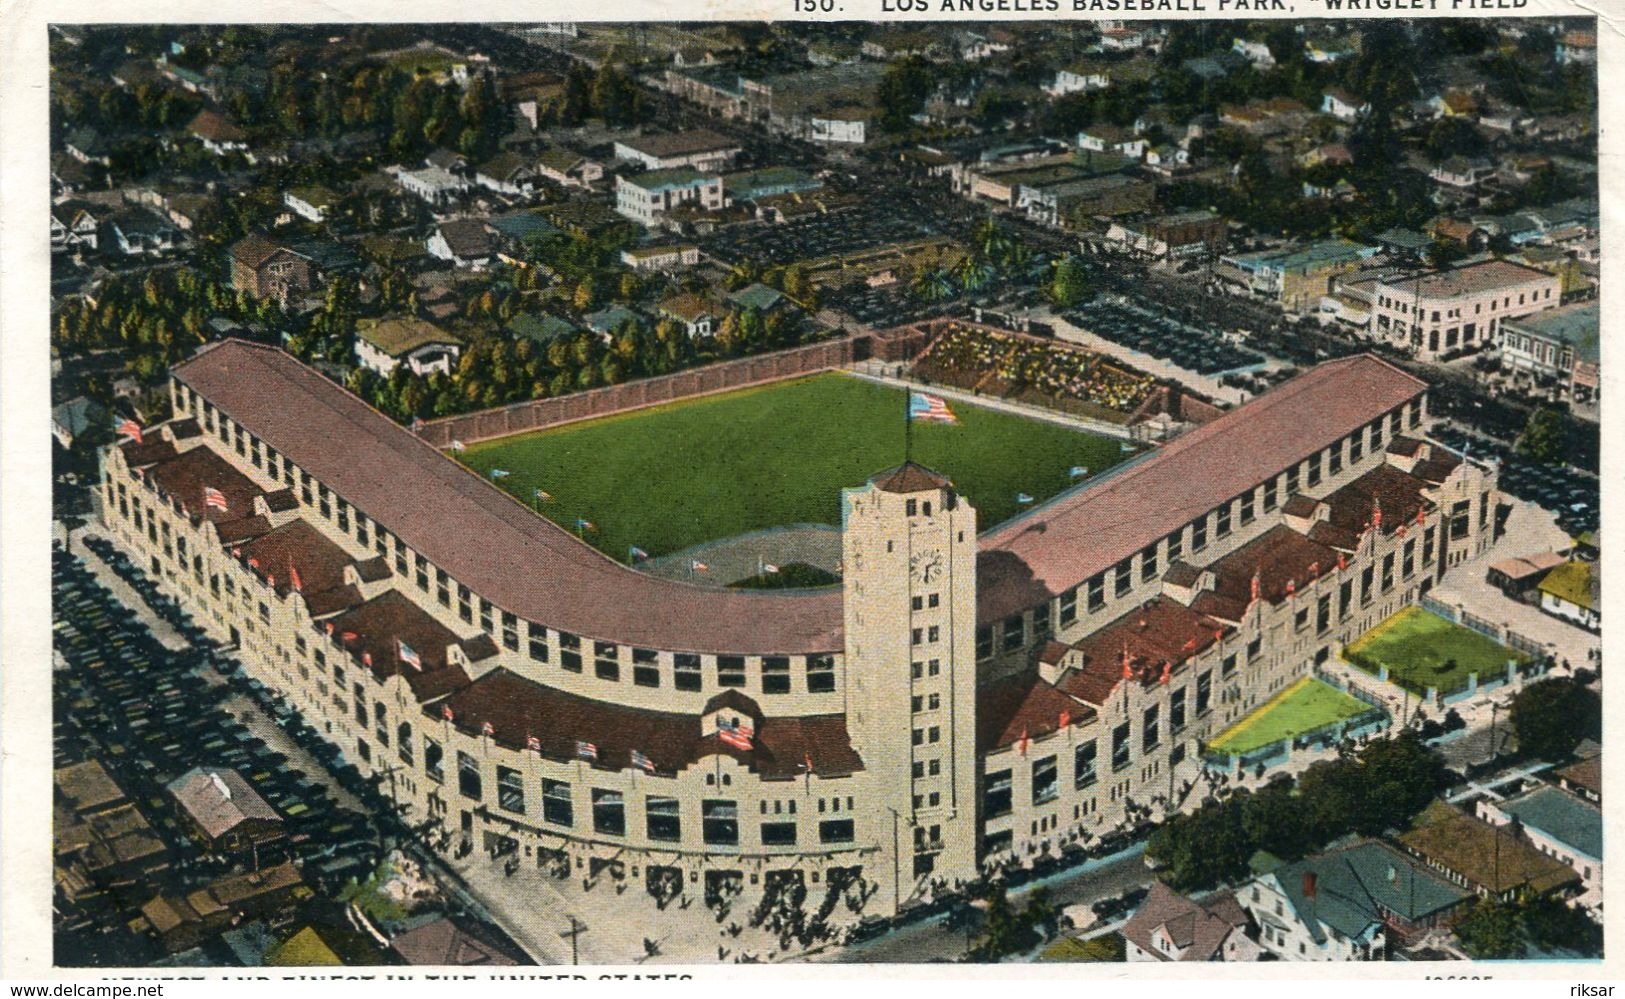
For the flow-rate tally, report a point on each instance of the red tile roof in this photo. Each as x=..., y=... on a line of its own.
x=518, y=709
x=296, y=547
x=387, y=619
x=1279, y=556
x=185, y=476
x=1161, y=631
x=1022, y=705
x=1063, y=543
x=486, y=540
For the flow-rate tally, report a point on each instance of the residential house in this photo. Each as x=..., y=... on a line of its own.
x=1562, y=343
x=698, y=316
x=647, y=196
x=448, y=160
x=1439, y=312
x=507, y=173
x=976, y=44
x=1517, y=577
x=1474, y=237
x=467, y=243
x=433, y=184
x=1123, y=37
x=265, y=268
x=1572, y=592
x=453, y=942
x=1170, y=927
x=386, y=344
x=1577, y=48
x=1559, y=824
x=1327, y=50
x=1583, y=777
x=223, y=812
x=847, y=125
x=661, y=258
x=541, y=328
x=140, y=232
x=1255, y=52
x=700, y=149
x=1462, y=172
x=1348, y=903
x=760, y=297
x=1490, y=861
x=1082, y=76
x=73, y=227
x=217, y=133
x=1342, y=105
x=608, y=321
x=1113, y=139
x=568, y=168
x=313, y=204
x=88, y=146
x=183, y=921
x=72, y=419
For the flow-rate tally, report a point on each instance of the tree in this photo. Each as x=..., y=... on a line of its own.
x=1550, y=924
x=1552, y=716
x=1274, y=819
x=1002, y=930
x=1544, y=436
x=1490, y=931
x=1071, y=284
x=902, y=92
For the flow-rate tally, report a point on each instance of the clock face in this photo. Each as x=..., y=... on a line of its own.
x=926, y=566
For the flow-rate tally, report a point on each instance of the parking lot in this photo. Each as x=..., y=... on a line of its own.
x=1194, y=345
x=1573, y=496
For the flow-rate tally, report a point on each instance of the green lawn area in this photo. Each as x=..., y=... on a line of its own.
x=1107, y=948
x=672, y=476
x=1302, y=707
x=1416, y=646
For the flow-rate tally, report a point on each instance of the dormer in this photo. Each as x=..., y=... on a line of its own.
x=729, y=710
x=1405, y=453
x=1302, y=512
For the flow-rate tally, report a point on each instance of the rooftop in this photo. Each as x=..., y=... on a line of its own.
x=668, y=144
x=400, y=336
x=219, y=800
x=1474, y=279
x=1560, y=815
x=1469, y=848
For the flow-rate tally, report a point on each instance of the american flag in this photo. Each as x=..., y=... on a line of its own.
x=533, y=744
x=698, y=566
x=486, y=728
x=447, y=713
x=130, y=429
x=735, y=733
x=586, y=750
x=366, y=658
x=293, y=574
x=929, y=408
x=642, y=762
x=408, y=655
x=214, y=497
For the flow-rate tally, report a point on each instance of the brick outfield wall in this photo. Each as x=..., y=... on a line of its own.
x=537, y=414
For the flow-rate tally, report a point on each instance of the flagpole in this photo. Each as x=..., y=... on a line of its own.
x=908, y=424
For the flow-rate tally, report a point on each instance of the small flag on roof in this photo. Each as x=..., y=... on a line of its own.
x=532, y=743
x=583, y=524
x=408, y=655
x=1023, y=498
x=459, y=446
x=487, y=729
x=698, y=566
x=447, y=713
x=586, y=750
x=293, y=574
x=636, y=554
x=499, y=473
x=735, y=733
x=214, y=497
x=130, y=429
x=929, y=408
x=1077, y=471
x=642, y=762
x=542, y=495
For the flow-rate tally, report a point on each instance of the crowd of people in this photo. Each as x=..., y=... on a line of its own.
x=1011, y=365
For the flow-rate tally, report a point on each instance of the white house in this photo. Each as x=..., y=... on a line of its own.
x=1342, y=105
x=1256, y=53
x=661, y=258
x=423, y=347
x=313, y=204
x=839, y=126
x=568, y=168
x=506, y=173
x=1079, y=78
x=465, y=242
x=433, y=184
x=647, y=196
x=72, y=226
x=1570, y=592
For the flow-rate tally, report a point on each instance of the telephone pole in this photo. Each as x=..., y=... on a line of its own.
x=574, y=934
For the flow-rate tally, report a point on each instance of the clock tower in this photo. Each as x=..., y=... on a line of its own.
x=909, y=575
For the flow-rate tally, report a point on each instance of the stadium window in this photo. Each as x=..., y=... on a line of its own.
x=996, y=795
x=1176, y=710
x=1387, y=572
x=933, y=633
x=569, y=652
x=778, y=834
x=606, y=661
x=1427, y=548
x=1270, y=501
x=1356, y=448
x=1046, y=782
x=1069, y=607
x=1323, y=614
x=835, y=831
x=916, y=636
x=1334, y=459
x=538, y=641
x=510, y=790
x=1148, y=564
x=719, y=822
x=686, y=671
x=775, y=674
x=1123, y=577
x=468, y=776
x=1292, y=487
x=1150, y=729
x=730, y=671
x=1365, y=584
x=1300, y=620
x=420, y=567
x=910, y=507
x=1176, y=546
x=1345, y=598
x=1221, y=521
x=442, y=585
x=557, y=805
x=917, y=603
x=1041, y=621
x=486, y=621
x=984, y=642
x=821, y=674
x=1408, y=563
x=1083, y=765
x=433, y=755
x=1247, y=514
x=1120, y=746
x=663, y=819
x=1097, y=591
x=1198, y=534
x=1014, y=633
x=403, y=743
x=608, y=812
x=1314, y=469
x=1204, y=692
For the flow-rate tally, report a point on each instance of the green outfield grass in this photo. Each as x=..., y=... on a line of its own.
x=1417, y=646
x=672, y=476
x=1302, y=707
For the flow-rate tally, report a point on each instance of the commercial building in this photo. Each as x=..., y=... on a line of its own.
x=647, y=196
x=701, y=149
x=962, y=701
x=1560, y=344
x=1295, y=277
x=1446, y=311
